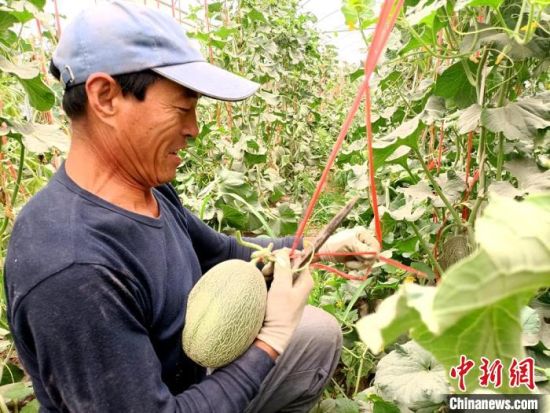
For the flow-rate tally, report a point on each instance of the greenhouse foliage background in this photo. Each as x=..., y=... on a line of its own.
x=461, y=129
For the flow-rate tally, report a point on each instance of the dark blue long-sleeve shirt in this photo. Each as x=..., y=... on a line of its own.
x=96, y=303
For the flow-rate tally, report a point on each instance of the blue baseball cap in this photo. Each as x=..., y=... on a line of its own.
x=119, y=37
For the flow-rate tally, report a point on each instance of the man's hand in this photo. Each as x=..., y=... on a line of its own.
x=358, y=239
x=285, y=302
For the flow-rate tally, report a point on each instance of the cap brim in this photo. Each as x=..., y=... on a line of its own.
x=209, y=80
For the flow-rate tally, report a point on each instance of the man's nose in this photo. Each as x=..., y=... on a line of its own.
x=191, y=128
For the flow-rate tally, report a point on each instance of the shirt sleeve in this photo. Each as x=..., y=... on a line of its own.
x=85, y=330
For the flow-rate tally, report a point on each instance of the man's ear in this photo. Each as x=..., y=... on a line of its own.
x=104, y=96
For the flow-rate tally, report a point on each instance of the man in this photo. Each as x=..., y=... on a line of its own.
x=102, y=260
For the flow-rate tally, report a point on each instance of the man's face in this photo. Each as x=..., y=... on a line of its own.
x=152, y=132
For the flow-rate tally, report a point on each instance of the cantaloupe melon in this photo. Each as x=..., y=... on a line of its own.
x=225, y=311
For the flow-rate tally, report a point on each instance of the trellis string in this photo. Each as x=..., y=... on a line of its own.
x=386, y=22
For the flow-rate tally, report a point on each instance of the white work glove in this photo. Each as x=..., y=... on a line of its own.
x=358, y=239
x=285, y=302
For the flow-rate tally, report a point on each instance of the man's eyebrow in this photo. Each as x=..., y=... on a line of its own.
x=188, y=93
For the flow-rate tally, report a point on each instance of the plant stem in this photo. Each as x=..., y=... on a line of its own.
x=414, y=178
x=338, y=387
x=480, y=77
x=359, y=371
x=473, y=214
x=426, y=48
x=517, y=36
x=426, y=248
x=356, y=296
x=437, y=188
x=500, y=158
x=247, y=244
x=503, y=92
x=482, y=154
x=361, y=30
x=17, y=184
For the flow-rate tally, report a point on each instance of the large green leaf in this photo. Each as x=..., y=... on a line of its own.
x=468, y=120
x=16, y=391
x=475, y=311
x=410, y=377
x=406, y=134
x=41, y=97
x=6, y=19
x=434, y=110
x=493, y=331
x=531, y=180
x=23, y=70
x=523, y=119
x=41, y=138
x=454, y=86
x=452, y=185
x=514, y=258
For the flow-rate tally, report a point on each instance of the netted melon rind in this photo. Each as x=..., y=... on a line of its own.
x=225, y=311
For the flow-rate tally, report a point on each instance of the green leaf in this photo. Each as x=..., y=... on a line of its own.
x=460, y=4
x=23, y=70
x=530, y=324
x=234, y=216
x=475, y=311
x=543, y=311
x=255, y=15
x=424, y=12
x=417, y=193
x=492, y=331
x=337, y=406
x=7, y=19
x=41, y=97
x=531, y=179
x=411, y=378
x=356, y=74
x=407, y=212
x=287, y=221
x=252, y=158
x=514, y=257
x=359, y=176
x=214, y=7
x=468, y=120
x=224, y=32
x=16, y=391
x=31, y=407
x=454, y=86
x=452, y=186
x=396, y=315
x=406, y=134
x=40, y=138
x=434, y=110
x=233, y=182
x=39, y=4
x=358, y=11
x=522, y=120
x=11, y=374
